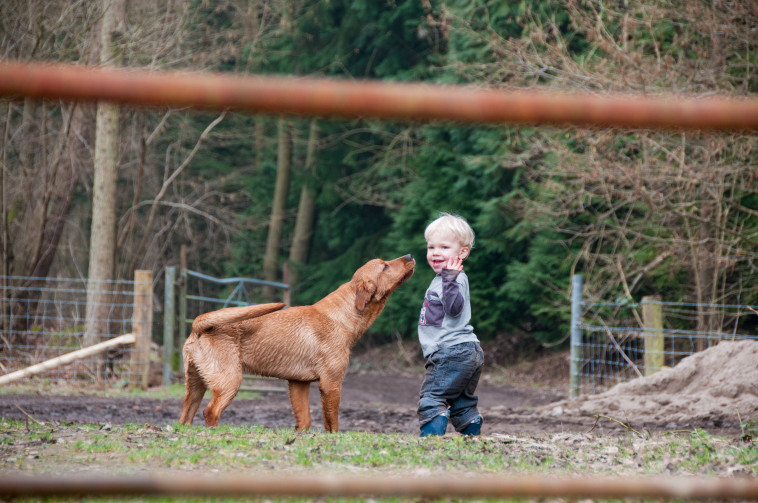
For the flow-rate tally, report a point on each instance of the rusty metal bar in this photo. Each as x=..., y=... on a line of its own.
x=383, y=100
x=326, y=485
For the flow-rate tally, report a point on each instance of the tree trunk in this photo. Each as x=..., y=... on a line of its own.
x=26, y=155
x=707, y=272
x=5, y=237
x=259, y=132
x=103, y=227
x=283, y=168
x=306, y=210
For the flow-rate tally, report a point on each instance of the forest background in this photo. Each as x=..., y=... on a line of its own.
x=637, y=212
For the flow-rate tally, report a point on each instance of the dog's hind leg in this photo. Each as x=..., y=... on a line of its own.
x=193, y=395
x=223, y=394
x=299, y=391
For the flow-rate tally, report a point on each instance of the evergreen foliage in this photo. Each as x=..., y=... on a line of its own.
x=380, y=183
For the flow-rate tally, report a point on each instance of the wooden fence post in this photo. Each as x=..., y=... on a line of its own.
x=652, y=318
x=575, y=363
x=182, y=303
x=169, y=318
x=142, y=327
x=286, y=279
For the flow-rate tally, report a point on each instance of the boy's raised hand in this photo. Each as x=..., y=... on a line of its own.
x=455, y=263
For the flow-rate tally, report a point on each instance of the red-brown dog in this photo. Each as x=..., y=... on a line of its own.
x=300, y=344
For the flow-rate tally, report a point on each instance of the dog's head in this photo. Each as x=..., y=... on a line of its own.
x=378, y=278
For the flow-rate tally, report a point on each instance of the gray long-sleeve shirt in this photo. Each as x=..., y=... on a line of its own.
x=445, y=316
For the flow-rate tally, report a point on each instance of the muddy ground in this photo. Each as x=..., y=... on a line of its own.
x=371, y=401
x=713, y=390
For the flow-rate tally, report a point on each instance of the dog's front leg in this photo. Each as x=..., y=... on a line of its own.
x=299, y=391
x=330, y=404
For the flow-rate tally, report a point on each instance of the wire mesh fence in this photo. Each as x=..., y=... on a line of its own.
x=614, y=342
x=44, y=318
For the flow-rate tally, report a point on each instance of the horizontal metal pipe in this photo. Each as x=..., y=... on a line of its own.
x=383, y=100
x=263, y=484
x=235, y=280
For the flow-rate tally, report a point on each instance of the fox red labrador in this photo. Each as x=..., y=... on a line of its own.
x=300, y=344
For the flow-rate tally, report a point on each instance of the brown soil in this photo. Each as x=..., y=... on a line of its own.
x=370, y=402
x=706, y=391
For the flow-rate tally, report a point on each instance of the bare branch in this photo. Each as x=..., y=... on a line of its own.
x=166, y=184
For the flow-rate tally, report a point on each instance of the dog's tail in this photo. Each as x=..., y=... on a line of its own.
x=208, y=321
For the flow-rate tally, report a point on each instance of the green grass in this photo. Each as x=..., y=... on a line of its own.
x=132, y=448
x=139, y=449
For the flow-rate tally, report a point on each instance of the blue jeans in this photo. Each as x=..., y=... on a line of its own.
x=452, y=374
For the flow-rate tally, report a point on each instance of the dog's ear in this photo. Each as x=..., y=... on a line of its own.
x=363, y=293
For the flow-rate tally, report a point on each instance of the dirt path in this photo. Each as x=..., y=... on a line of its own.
x=370, y=402
x=706, y=391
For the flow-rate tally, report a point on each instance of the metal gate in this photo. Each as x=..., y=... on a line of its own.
x=200, y=293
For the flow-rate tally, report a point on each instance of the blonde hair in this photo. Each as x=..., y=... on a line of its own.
x=456, y=225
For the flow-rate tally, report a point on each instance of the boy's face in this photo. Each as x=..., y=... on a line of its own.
x=441, y=248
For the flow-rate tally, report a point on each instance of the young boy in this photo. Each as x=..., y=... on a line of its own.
x=453, y=355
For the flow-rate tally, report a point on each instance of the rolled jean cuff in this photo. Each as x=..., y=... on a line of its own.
x=463, y=426
x=422, y=422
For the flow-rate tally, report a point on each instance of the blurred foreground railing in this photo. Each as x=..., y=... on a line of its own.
x=383, y=100
x=326, y=485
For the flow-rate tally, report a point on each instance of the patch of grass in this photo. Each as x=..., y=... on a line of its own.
x=99, y=444
x=748, y=457
x=172, y=391
x=749, y=430
x=56, y=448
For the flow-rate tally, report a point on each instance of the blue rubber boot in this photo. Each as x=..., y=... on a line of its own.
x=474, y=428
x=436, y=426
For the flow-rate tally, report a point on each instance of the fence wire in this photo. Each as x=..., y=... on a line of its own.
x=612, y=343
x=42, y=318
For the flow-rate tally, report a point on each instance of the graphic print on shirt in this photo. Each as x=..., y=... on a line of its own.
x=433, y=312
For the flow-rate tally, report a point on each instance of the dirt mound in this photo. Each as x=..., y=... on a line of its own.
x=717, y=386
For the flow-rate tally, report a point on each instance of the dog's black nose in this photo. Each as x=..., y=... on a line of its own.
x=408, y=257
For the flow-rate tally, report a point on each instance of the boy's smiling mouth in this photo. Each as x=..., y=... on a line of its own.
x=438, y=264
